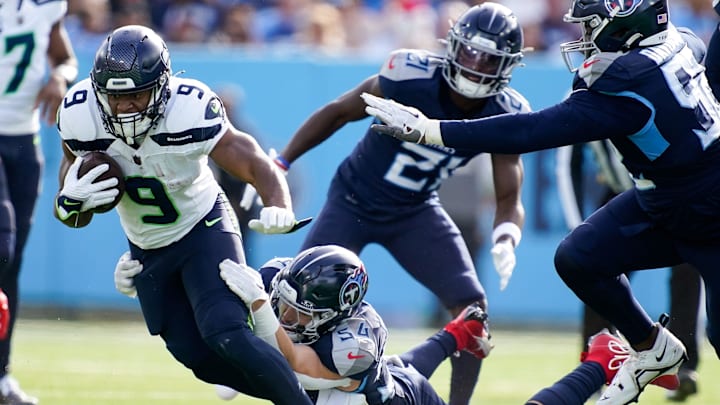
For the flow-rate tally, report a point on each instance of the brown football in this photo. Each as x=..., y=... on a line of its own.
x=94, y=159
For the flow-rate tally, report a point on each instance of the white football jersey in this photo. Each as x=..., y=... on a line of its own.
x=24, y=39
x=169, y=186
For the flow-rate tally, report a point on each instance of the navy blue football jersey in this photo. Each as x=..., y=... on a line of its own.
x=653, y=103
x=385, y=173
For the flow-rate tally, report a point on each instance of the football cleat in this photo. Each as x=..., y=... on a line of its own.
x=687, y=386
x=11, y=394
x=225, y=393
x=610, y=352
x=663, y=358
x=470, y=330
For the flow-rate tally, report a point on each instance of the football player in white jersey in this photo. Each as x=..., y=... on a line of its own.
x=36, y=64
x=161, y=129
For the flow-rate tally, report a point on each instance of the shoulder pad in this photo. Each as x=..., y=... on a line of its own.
x=52, y=10
x=193, y=105
x=696, y=45
x=78, y=115
x=408, y=64
x=352, y=355
x=510, y=100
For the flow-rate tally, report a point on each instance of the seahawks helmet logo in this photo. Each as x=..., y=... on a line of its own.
x=623, y=7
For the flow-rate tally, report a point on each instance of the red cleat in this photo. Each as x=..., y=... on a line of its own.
x=470, y=330
x=4, y=315
x=611, y=352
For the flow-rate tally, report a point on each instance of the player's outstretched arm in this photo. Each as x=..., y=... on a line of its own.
x=326, y=120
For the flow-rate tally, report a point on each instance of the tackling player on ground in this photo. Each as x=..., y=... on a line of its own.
x=340, y=339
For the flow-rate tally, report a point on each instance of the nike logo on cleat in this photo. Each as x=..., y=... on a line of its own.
x=354, y=356
x=660, y=357
x=212, y=222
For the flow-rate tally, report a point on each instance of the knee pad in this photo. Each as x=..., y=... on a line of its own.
x=192, y=356
x=566, y=265
x=7, y=250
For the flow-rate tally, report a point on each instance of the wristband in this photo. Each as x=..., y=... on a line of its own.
x=507, y=228
x=266, y=324
x=282, y=162
x=68, y=72
x=66, y=206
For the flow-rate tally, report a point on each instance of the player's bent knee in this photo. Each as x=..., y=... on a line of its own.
x=7, y=250
x=566, y=265
x=713, y=334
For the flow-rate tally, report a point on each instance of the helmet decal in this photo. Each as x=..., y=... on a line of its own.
x=625, y=7
x=352, y=291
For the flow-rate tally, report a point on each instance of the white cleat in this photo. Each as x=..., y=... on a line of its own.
x=642, y=367
x=225, y=393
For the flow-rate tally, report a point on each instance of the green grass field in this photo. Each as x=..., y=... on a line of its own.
x=118, y=363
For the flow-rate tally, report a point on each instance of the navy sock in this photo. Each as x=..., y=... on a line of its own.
x=573, y=389
x=427, y=356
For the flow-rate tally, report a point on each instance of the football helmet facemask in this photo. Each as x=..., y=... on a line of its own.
x=132, y=59
x=322, y=286
x=615, y=26
x=483, y=47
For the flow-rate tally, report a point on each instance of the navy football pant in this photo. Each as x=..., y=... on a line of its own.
x=203, y=323
x=426, y=243
x=618, y=238
x=20, y=169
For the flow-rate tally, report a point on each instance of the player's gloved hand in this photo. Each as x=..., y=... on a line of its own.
x=402, y=122
x=273, y=220
x=244, y=281
x=503, y=255
x=250, y=196
x=125, y=271
x=4, y=315
x=82, y=194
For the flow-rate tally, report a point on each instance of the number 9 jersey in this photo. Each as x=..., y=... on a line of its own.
x=169, y=185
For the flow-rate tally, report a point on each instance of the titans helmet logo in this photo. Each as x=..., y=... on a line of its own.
x=353, y=290
x=624, y=7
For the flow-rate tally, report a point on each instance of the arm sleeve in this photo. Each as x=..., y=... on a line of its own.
x=566, y=186
x=584, y=116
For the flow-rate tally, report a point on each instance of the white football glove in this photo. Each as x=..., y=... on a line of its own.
x=402, y=122
x=503, y=255
x=244, y=281
x=125, y=271
x=83, y=192
x=250, y=196
x=273, y=220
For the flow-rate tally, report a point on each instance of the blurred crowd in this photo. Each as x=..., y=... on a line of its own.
x=362, y=28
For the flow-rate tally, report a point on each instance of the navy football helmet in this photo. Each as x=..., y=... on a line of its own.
x=483, y=47
x=615, y=26
x=132, y=59
x=324, y=285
